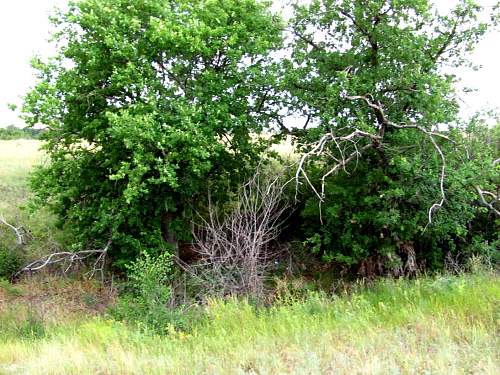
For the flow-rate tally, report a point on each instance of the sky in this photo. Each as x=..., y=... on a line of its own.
x=24, y=32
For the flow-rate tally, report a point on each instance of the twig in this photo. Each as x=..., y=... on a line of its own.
x=487, y=204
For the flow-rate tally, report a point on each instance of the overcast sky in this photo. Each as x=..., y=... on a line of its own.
x=24, y=30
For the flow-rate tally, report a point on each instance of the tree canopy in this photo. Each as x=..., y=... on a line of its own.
x=146, y=102
x=150, y=104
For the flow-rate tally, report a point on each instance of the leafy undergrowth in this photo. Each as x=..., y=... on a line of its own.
x=441, y=325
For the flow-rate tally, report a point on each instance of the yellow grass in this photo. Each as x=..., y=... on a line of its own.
x=17, y=157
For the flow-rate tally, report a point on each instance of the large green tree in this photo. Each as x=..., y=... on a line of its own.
x=147, y=103
x=385, y=160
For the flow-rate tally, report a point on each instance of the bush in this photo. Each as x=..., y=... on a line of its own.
x=236, y=244
x=147, y=303
x=375, y=219
x=10, y=262
x=150, y=278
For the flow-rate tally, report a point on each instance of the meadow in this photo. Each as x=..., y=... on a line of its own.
x=439, y=324
x=17, y=157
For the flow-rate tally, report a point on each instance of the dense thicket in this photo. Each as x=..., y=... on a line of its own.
x=152, y=104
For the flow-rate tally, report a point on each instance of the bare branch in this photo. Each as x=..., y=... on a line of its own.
x=22, y=235
x=484, y=201
x=70, y=259
x=235, y=250
x=378, y=109
x=318, y=148
x=438, y=205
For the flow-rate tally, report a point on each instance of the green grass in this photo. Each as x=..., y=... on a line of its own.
x=440, y=325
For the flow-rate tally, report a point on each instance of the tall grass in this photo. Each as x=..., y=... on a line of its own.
x=440, y=325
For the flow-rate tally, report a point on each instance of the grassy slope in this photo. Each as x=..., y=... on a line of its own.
x=444, y=325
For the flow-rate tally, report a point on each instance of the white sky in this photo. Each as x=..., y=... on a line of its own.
x=24, y=30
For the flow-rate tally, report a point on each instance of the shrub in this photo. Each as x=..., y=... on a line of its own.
x=236, y=245
x=147, y=303
x=375, y=218
x=10, y=262
x=149, y=276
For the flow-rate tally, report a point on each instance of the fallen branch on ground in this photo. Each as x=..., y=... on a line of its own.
x=70, y=259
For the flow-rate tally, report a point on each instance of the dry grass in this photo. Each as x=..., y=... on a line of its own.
x=16, y=160
x=56, y=298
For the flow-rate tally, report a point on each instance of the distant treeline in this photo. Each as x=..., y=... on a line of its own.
x=13, y=132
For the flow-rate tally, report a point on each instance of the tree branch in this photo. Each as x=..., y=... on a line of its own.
x=484, y=202
x=341, y=144
x=379, y=111
x=70, y=258
x=22, y=235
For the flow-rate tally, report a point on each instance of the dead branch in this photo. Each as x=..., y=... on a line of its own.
x=70, y=259
x=348, y=149
x=236, y=250
x=341, y=144
x=378, y=109
x=22, y=235
x=488, y=204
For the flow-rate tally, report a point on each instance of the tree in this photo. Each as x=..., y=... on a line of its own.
x=147, y=103
x=12, y=132
x=381, y=160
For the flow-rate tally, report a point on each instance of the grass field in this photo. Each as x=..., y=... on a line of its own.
x=16, y=160
x=443, y=325
x=431, y=325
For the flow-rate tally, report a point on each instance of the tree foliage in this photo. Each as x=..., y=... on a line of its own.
x=147, y=103
x=386, y=161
